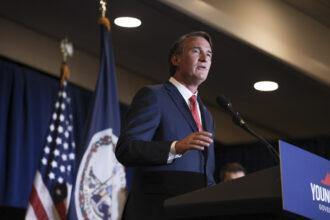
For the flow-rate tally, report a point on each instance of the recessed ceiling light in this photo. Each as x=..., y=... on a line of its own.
x=266, y=86
x=128, y=22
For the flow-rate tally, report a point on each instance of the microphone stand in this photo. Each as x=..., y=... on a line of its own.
x=240, y=122
x=237, y=119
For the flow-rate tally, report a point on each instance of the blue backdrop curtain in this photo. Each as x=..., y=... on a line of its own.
x=27, y=98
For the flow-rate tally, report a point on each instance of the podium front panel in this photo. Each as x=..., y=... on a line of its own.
x=305, y=182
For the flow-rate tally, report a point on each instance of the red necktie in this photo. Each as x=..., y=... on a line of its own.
x=194, y=112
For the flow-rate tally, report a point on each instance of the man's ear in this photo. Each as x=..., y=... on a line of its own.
x=175, y=59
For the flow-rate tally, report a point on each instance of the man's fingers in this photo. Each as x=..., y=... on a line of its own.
x=196, y=147
x=203, y=138
x=204, y=133
x=195, y=141
x=201, y=143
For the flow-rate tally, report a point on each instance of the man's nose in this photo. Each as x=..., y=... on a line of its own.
x=202, y=56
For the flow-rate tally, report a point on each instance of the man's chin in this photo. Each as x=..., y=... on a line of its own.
x=200, y=80
x=202, y=76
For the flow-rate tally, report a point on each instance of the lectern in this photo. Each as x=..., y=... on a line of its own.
x=300, y=185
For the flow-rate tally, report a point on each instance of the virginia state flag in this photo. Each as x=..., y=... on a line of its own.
x=100, y=184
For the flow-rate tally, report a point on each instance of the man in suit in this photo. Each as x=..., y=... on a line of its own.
x=167, y=135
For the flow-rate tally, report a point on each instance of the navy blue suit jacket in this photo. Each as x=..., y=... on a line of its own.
x=158, y=116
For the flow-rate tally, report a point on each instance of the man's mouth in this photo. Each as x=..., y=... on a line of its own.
x=201, y=67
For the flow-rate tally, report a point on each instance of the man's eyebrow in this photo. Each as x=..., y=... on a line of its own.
x=209, y=51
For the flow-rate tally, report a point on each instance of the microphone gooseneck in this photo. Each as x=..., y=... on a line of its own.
x=238, y=120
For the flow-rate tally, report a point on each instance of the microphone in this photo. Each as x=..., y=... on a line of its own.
x=227, y=106
x=238, y=120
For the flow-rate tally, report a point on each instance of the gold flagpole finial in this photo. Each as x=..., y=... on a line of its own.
x=103, y=20
x=67, y=51
x=103, y=7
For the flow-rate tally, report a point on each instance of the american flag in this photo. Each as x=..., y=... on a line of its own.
x=52, y=185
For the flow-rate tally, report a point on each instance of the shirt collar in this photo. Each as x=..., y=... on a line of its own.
x=184, y=91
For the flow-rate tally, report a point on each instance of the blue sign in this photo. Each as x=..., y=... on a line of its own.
x=305, y=182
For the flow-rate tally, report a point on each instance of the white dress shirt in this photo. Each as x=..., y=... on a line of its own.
x=186, y=94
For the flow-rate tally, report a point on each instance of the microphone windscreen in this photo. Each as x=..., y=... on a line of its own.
x=223, y=102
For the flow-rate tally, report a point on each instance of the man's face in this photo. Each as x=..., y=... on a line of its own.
x=195, y=62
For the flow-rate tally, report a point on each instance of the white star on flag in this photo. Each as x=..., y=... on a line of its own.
x=47, y=150
x=44, y=161
x=51, y=175
x=49, y=139
x=56, y=152
x=54, y=164
x=62, y=168
x=58, y=140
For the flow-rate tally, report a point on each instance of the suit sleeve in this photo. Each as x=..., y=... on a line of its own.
x=135, y=146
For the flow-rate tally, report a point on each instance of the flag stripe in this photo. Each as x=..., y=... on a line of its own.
x=30, y=215
x=44, y=196
x=37, y=206
x=61, y=210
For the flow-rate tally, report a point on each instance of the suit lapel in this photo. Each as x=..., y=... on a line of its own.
x=181, y=104
x=206, y=124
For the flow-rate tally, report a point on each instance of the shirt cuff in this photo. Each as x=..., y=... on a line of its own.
x=172, y=154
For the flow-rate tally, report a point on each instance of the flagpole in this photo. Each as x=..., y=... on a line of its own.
x=52, y=184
